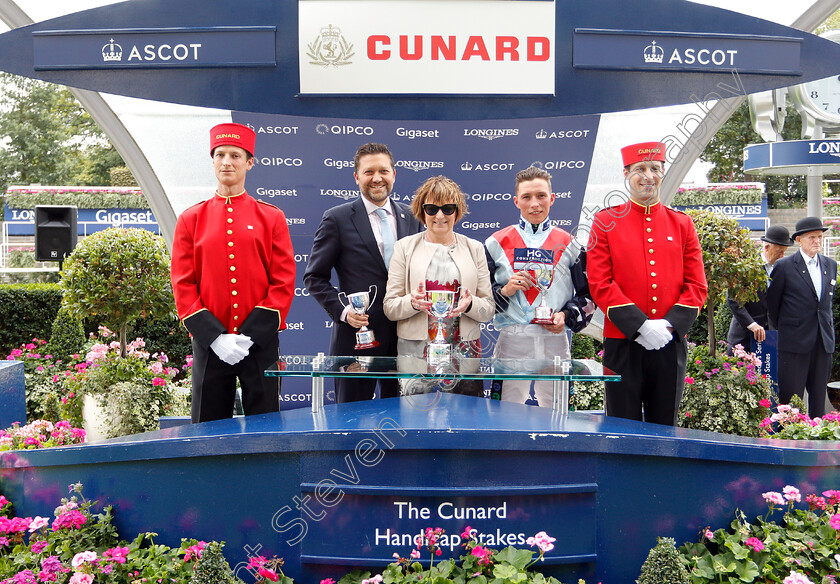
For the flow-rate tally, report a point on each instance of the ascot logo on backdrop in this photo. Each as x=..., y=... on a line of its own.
x=414, y=47
x=486, y=166
x=112, y=52
x=561, y=134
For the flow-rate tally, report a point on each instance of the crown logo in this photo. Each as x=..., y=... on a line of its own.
x=112, y=52
x=541, y=135
x=653, y=53
x=330, y=49
x=466, y=166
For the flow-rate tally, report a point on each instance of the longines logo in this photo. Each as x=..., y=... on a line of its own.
x=417, y=165
x=653, y=53
x=491, y=133
x=330, y=48
x=344, y=194
x=469, y=166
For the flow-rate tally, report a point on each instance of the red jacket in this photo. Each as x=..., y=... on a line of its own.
x=232, y=259
x=645, y=262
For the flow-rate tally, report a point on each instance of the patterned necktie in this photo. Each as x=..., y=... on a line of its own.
x=816, y=277
x=387, y=236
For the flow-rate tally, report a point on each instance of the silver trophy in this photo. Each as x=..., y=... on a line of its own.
x=359, y=303
x=442, y=302
x=543, y=277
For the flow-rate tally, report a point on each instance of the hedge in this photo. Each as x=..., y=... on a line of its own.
x=27, y=311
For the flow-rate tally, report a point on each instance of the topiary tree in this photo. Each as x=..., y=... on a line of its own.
x=212, y=568
x=731, y=262
x=118, y=275
x=68, y=335
x=663, y=565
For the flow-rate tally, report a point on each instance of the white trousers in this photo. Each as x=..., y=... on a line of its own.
x=530, y=341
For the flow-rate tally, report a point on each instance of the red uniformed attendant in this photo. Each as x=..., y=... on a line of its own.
x=233, y=273
x=645, y=271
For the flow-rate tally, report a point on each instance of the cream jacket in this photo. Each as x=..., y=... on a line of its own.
x=409, y=264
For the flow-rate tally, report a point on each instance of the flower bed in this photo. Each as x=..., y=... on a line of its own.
x=40, y=434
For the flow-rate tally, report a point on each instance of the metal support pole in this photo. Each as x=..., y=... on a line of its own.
x=560, y=398
x=317, y=385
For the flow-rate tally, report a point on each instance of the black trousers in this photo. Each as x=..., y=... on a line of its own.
x=650, y=379
x=800, y=371
x=350, y=390
x=214, y=383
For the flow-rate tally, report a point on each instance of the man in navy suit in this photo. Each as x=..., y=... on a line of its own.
x=750, y=320
x=356, y=240
x=799, y=300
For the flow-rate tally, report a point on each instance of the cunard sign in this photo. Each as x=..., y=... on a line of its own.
x=427, y=47
x=155, y=48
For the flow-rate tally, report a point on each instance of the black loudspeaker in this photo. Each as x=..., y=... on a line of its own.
x=56, y=232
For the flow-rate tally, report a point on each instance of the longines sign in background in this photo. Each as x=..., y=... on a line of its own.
x=792, y=156
x=153, y=48
x=305, y=166
x=684, y=51
x=427, y=47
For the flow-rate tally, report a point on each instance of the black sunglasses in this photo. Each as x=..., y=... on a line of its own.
x=447, y=209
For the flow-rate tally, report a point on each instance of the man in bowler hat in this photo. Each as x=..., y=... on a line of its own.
x=750, y=320
x=799, y=300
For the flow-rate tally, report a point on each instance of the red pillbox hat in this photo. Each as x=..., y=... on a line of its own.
x=643, y=152
x=232, y=135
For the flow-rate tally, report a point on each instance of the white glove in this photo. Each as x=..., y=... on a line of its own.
x=228, y=349
x=244, y=341
x=644, y=342
x=656, y=332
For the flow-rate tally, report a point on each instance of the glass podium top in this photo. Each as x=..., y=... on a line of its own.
x=465, y=368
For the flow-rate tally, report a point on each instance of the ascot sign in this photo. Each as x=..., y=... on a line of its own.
x=428, y=46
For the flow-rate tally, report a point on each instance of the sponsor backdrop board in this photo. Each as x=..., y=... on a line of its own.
x=305, y=166
x=90, y=220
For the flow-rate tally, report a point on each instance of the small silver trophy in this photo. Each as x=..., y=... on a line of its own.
x=442, y=302
x=359, y=303
x=544, y=276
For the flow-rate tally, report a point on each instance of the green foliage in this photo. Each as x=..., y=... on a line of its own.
x=24, y=257
x=587, y=395
x=585, y=347
x=663, y=565
x=27, y=311
x=730, y=259
x=50, y=138
x=724, y=394
x=121, y=177
x=764, y=551
x=212, y=568
x=118, y=275
x=726, y=152
x=68, y=335
x=81, y=197
x=117, y=562
x=133, y=408
x=718, y=195
x=164, y=334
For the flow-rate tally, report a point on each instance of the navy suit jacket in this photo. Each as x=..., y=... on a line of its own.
x=344, y=242
x=743, y=315
x=802, y=319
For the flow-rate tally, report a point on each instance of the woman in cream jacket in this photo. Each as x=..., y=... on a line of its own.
x=439, y=259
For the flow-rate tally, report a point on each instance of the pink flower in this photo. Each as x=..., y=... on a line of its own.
x=268, y=574
x=83, y=558
x=754, y=543
x=327, y=581
x=815, y=502
x=415, y=554
x=195, y=550
x=792, y=494
x=765, y=403
x=689, y=380
x=467, y=533
x=38, y=523
x=81, y=578
x=543, y=541
x=158, y=381
x=482, y=553
x=117, y=554
x=69, y=520
x=834, y=522
x=796, y=578
x=709, y=535
x=373, y=579
x=38, y=546
x=773, y=497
